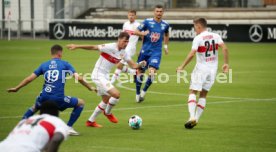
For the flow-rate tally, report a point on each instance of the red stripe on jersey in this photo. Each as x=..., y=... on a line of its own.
x=202, y=49
x=110, y=58
x=129, y=32
x=50, y=128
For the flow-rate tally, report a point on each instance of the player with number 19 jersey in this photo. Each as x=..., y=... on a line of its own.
x=152, y=44
x=54, y=72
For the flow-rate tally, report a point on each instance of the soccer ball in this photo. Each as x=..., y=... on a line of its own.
x=135, y=122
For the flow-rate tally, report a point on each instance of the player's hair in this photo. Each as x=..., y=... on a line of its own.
x=123, y=35
x=201, y=21
x=159, y=6
x=49, y=107
x=132, y=11
x=55, y=49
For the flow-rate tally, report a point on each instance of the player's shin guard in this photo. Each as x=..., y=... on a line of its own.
x=75, y=115
x=192, y=105
x=99, y=109
x=138, y=82
x=28, y=113
x=200, y=107
x=112, y=102
x=115, y=75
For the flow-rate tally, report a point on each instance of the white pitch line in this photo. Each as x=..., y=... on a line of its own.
x=161, y=106
x=182, y=94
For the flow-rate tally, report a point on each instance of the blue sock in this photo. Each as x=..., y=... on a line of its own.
x=138, y=82
x=28, y=113
x=148, y=83
x=75, y=115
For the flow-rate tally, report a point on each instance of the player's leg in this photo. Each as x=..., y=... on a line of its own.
x=201, y=104
x=138, y=79
x=151, y=76
x=117, y=72
x=195, y=86
x=114, y=99
x=32, y=110
x=98, y=110
x=72, y=102
x=76, y=111
x=208, y=82
x=139, y=76
x=191, y=108
x=153, y=64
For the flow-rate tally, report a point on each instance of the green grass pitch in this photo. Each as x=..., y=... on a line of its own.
x=239, y=116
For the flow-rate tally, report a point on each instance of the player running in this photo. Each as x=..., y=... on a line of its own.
x=111, y=54
x=37, y=133
x=54, y=73
x=205, y=46
x=130, y=26
x=154, y=31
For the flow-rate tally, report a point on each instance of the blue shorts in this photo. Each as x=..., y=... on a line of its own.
x=62, y=102
x=153, y=60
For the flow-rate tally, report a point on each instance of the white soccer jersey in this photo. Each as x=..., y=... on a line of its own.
x=206, y=44
x=32, y=134
x=133, y=39
x=109, y=57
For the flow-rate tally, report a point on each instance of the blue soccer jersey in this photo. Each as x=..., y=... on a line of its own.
x=54, y=72
x=152, y=42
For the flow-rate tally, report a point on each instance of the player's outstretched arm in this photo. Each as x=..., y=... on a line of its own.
x=55, y=142
x=85, y=47
x=225, y=66
x=186, y=61
x=84, y=83
x=134, y=65
x=141, y=33
x=23, y=83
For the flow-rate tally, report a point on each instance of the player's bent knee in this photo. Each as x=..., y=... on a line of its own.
x=116, y=95
x=81, y=102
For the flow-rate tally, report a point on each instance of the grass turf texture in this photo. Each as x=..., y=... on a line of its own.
x=240, y=116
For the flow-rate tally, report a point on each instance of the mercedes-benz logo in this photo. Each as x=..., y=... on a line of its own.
x=59, y=31
x=256, y=33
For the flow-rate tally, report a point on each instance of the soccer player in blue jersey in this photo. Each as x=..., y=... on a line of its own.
x=54, y=72
x=154, y=31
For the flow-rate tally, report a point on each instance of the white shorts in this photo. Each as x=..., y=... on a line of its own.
x=103, y=85
x=202, y=79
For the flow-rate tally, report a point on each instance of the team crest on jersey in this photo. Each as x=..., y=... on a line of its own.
x=154, y=36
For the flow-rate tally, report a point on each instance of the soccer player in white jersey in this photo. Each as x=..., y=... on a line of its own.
x=37, y=133
x=130, y=26
x=111, y=54
x=205, y=46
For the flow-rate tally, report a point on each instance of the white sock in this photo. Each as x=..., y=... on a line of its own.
x=200, y=107
x=112, y=102
x=129, y=70
x=116, y=75
x=192, y=105
x=99, y=109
